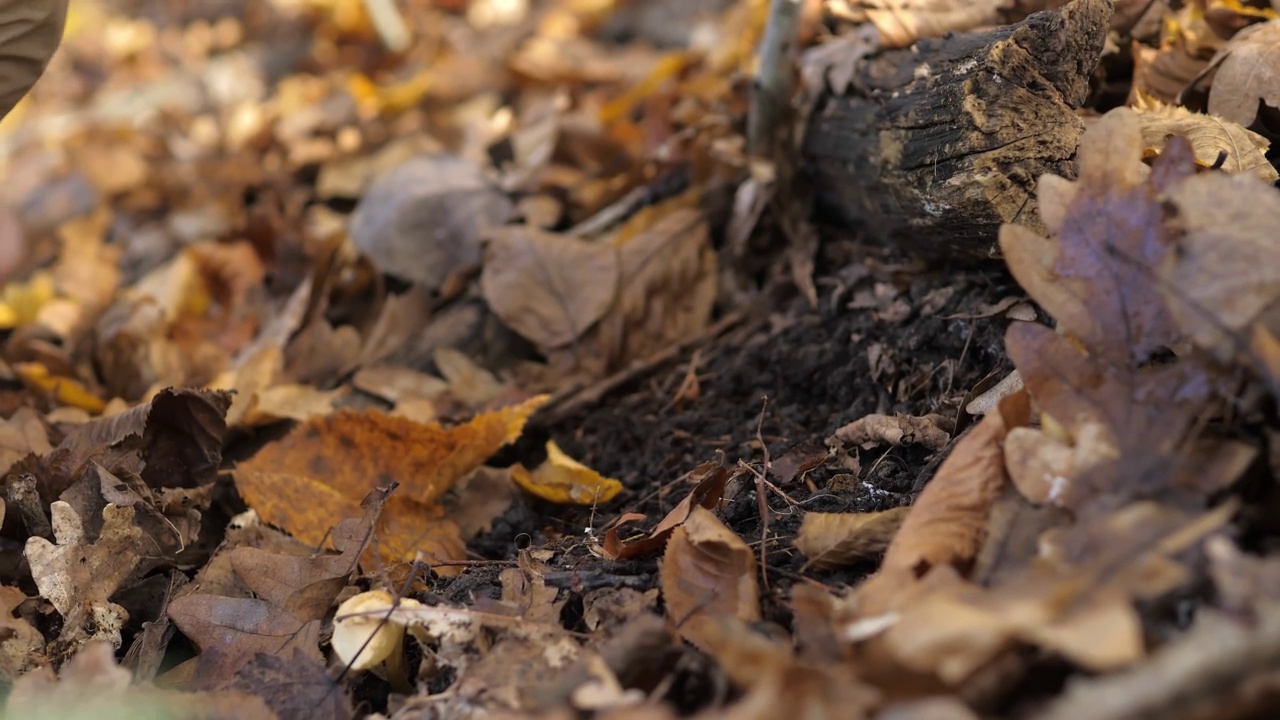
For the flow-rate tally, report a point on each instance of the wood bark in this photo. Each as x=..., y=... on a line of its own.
x=935, y=146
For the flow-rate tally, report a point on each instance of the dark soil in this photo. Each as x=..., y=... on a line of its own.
x=809, y=370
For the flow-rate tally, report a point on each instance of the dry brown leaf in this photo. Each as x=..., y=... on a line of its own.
x=33, y=30
x=929, y=431
x=88, y=268
x=21, y=645
x=1219, y=292
x=832, y=540
x=468, y=382
x=21, y=435
x=275, y=601
x=1216, y=142
x=708, y=574
x=292, y=685
x=1115, y=422
x=549, y=288
x=78, y=577
x=318, y=473
x=1248, y=74
x=1187, y=44
x=92, y=681
x=395, y=383
x=229, y=632
x=1079, y=604
x=1210, y=671
x=947, y=524
x=424, y=220
x=479, y=499
x=707, y=493
x=113, y=167
x=667, y=286
x=902, y=22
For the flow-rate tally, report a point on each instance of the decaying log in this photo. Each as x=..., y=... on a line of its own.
x=933, y=147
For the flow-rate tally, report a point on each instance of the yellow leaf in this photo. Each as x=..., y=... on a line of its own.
x=374, y=99
x=21, y=301
x=561, y=479
x=64, y=391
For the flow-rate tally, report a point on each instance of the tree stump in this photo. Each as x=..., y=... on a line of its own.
x=936, y=145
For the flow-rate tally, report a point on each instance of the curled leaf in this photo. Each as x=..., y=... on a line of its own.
x=561, y=479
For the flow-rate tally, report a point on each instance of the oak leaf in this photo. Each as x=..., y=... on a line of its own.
x=1220, y=295
x=78, y=577
x=1106, y=231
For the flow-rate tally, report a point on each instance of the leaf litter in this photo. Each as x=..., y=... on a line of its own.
x=289, y=288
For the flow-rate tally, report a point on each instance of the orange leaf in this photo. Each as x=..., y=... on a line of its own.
x=316, y=475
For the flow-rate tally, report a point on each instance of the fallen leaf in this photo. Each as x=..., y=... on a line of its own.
x=867, y=432
x=707, y=493
x=708, y=573
x=916, y=19
x=91, y=684
x=666, y=287
x=394, y=383
x=1215, y=141
x=64, y=391
x=946, y=525
x=424, y=220
x=1218, y=292
x=1107, y=231
x=35, y=33
x=21, y=645
x=21, y=435
x=79, y=577
x=1246, y=77
x=797, y=462
x=230, y=632
x=550, y=288
x=292, y=686
x=832, y=540
x=478, y=499
x=561, y=479
x=317, y=474
x=21, y=302
x=1081, y=607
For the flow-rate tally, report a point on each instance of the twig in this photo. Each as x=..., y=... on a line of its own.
x=771, y=88
x=389, y=23
x=575, y=397
x=762, y=499
x=474, y=563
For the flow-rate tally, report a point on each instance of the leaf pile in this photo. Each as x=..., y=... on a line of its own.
x=303, y=301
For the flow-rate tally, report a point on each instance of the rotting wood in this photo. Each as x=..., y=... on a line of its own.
x=935, y=146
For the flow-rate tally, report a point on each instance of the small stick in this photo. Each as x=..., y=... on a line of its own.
x=771, y=88
x=389, y=23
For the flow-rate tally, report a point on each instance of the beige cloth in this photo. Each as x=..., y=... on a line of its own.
x=30, y=31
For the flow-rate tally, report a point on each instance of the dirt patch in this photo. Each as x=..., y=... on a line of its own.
x=815, y=367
